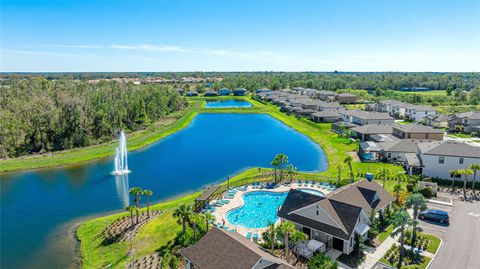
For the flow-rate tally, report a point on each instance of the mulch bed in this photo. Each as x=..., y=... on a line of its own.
x=149, y=261
x=123, y=229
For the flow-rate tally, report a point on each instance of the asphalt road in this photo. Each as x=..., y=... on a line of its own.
x=461, y=239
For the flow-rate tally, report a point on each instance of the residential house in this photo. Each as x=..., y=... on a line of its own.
x=263, y=90
x=438, y=121
x=240, y=92
x=394, y=151
x=224, y=92
x=440, y=157
x=361, y=117
x=224, y=249
x=393, y=107
x=330, y=106
x=466, y=122
x=417, y=131
x=325, y=95
x=346, y=98
x=326, y=116
x=210, y=93
x=418, y=113
x=338, y=217
x=369, y=151
x=364, y=132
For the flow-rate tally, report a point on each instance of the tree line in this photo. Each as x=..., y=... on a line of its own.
x=39, y=115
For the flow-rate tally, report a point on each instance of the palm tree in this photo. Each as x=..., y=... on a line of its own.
x=383, y=173
x=286, y=229
x=130, y=209
x=453, y=175
x=465, y=173
x=397, y=189
x=401, y=221
x=275, y=163
x=147, y=194
x=291, y=171
x=348, y=160
x=183, y=213
x=475, y=167
x=295, y=238
x=193, y=220
x=136, y=191
x=272, y=235
x=208, y=217
x=283, y=160
x=418, y=203
x=339, y=169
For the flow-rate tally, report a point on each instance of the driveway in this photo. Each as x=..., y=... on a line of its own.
x=461, y=239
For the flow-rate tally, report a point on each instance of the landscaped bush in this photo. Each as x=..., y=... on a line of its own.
x=322, y=261
x=427, y=192
x=410, y=259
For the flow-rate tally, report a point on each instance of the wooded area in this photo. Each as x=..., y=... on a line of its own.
x=40, y=115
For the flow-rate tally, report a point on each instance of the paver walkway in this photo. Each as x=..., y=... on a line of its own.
x=375, y=256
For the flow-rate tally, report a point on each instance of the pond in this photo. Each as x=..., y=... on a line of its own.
x=231, y=103
x=37, y=205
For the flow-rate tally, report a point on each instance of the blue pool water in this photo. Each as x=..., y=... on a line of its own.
x=312, y=191
x=227, y=104
x=259, y=209
x=36, y=204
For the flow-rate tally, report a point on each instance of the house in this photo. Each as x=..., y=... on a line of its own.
x=180, y=91
x=394, y=151
x=210, y=93
x=465, y=122
x=346, y=98
x=263, y=90
x=224, y=249
x=369, y=151
x=311, y=104
x=340, y=216
x=240, y=92
x=224, y=91
x=192, y=93
x=326, y=116
x=364, y=132
x=330, y=106
x=418, y=113
x=440, y=157
x=416, y=131
x=438, y=121
x=393, y=107
x=361, y=117
x=325, y=95
x=340, y=127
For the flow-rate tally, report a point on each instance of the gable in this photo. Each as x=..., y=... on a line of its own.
x=322, y=216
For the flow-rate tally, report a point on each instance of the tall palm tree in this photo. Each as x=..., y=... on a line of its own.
x=275, y=163
x=475, y=167
x=383, y=173
x=348, y=160
x=193, y=220
x=183, y=213
x=283, y=162
x=418, y=203
x=286, y=229
x=136, y=192
x=272, y=235
x=401, y=221
x=291, y=171
x=147, y=194
x=208, y=217
x=465, y=173
x=453, y=175
x=130, y=209
x=339, y=169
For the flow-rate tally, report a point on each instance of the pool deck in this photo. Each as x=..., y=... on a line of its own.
x=237, y=201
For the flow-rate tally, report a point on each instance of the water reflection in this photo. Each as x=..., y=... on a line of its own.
x=121, y=184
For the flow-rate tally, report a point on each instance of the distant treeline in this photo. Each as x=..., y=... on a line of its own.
x=39, y=115
x=317, y=80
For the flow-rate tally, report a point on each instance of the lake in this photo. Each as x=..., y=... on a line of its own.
x=36, y=206
x=231, y=103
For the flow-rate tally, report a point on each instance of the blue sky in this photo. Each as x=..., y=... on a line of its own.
x=323, y=35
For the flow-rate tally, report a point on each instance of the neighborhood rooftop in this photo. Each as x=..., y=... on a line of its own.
x=449, y=148
x=417, y=128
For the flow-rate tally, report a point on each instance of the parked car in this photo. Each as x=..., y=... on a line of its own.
x=434, y=215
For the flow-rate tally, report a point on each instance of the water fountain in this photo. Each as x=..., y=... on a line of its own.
x=120, y=161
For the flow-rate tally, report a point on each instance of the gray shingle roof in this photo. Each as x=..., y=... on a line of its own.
x=473, y=115
x=368, y=115
x=416, y=128
x=399, y=146
x=327, y=113
x=374, y=129
x=224, y=249
x=449, y=148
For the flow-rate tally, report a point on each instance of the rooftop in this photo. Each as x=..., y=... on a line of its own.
x=369, y=115
x=374, y=129
x=449, y=148
x=416, y=128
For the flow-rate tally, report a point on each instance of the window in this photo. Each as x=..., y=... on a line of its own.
x=441, y=159
x=351, y=241
x=460, y=161
x=317, y=212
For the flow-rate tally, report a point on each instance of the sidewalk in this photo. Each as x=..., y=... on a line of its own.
x=375, y=256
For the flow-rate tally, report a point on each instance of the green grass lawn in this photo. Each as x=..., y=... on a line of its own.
x=385, y=234
x=434, y=243
x=460, y=135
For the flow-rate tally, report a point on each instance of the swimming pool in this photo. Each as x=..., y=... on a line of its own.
x=259, y=209
x=227, y=104
x=312, y=191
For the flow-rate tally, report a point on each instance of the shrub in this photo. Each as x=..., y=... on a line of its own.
x=322, y=261
x=427, y=192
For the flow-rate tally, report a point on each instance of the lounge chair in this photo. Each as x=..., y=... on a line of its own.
x=313, y=183
x=306, y=183
x=249, y=235
x=255, y=237
x=299, y=182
